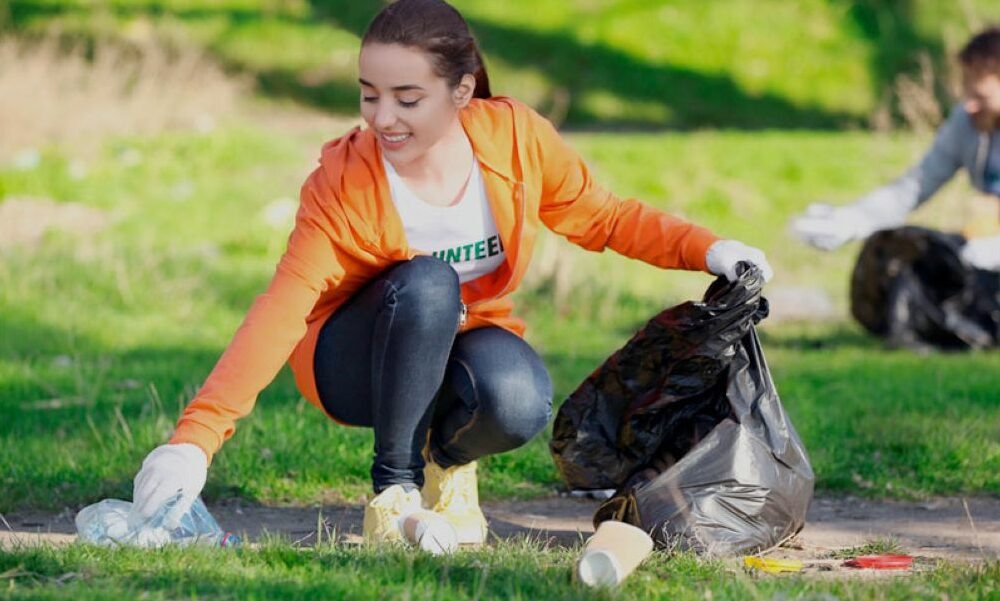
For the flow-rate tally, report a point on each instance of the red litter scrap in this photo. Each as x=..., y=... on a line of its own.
x=881, y=562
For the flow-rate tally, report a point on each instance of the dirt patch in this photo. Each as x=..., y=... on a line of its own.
x=942, y=528
x=25, y=221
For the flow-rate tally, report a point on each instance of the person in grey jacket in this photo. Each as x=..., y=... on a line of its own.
x=969, y=139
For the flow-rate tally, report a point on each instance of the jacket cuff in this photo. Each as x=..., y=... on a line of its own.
x=199, y=435
x=698, y=249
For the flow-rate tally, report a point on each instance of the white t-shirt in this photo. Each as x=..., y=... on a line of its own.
x=463, y=235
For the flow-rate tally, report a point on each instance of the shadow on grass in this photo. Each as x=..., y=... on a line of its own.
x=99, y=410
x=830, y=338
x=890, y=30
x=691, y=98
x=695, y=99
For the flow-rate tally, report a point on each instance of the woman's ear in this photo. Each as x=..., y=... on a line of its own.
x=464, y=90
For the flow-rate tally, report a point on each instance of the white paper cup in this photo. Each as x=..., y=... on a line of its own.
x=429, y=531
x=612, y=553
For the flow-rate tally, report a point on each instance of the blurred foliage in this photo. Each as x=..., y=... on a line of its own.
x=593, y=63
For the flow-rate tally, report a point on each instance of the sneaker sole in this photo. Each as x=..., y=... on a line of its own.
x=472, y=537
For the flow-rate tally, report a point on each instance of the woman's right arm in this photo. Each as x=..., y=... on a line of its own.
x=313, y=262
x=276, y=322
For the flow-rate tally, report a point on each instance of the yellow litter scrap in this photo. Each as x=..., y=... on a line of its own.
x=772, y=566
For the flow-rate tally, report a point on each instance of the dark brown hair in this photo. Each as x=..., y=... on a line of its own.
x=435, y=27
x=983, y=50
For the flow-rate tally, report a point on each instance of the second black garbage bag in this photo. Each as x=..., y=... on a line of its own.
x=911, y=287
x=685, y=422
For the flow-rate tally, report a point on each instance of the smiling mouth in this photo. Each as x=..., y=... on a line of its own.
x=395, y=138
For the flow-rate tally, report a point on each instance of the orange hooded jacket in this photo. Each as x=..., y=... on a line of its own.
x=347, y=231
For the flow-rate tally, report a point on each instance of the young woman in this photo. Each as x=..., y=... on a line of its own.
x=392, y=302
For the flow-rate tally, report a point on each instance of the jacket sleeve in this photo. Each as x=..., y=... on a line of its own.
x=890, y=205
x=275, y=323
x=575, y=206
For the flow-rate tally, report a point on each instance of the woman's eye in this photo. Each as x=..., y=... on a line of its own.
x=408, y=105
x=369, y=98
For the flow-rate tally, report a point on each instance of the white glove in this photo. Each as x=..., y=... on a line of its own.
x=167, y=470
x=983, y=253
x=723, y=256
x=827, y=227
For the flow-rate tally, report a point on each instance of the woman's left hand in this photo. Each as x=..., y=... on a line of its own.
x=723, y=256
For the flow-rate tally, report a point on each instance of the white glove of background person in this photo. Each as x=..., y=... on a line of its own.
x=723, y=256
x=166, y=470
x=983, y=253
x=827, y=227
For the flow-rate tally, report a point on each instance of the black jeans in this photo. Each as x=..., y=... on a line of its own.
x=390, y=359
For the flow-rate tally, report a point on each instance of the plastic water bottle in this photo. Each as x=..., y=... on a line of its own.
x=106, y=523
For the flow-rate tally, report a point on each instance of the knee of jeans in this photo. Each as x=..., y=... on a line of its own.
x=516, y=407
x=426, y=289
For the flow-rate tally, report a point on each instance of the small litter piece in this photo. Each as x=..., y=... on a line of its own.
x=881, y=562
x=601, y=494
x=612, y=553
x=772, y=566
x=429, y=531
x=106, y=523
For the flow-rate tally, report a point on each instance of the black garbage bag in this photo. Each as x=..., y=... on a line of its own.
x=911, y=287
x=685, y=422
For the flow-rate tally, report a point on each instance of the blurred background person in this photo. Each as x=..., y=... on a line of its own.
x=969, y=139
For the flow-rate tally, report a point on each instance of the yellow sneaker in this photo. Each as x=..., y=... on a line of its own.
x=383, y=513
x=454, y=493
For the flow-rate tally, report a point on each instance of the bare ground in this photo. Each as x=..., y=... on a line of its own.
x=943, y=528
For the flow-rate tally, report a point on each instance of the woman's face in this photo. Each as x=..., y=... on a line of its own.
x=406, y=104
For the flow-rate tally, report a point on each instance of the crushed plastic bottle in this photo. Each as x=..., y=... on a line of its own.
x=106, y=523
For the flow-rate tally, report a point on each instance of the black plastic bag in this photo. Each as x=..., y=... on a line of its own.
x=911, y=287
x=684, y=421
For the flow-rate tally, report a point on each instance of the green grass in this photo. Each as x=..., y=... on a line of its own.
x=516, y=570
x=878, y=546
x=812, y=63
x=106, y=338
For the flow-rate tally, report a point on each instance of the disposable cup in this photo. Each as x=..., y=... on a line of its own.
x=612, y=553
x=429, y=531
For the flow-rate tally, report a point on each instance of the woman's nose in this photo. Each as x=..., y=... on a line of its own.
x=385, y=117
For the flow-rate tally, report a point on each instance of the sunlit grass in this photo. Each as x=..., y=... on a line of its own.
x=106, y=337
x=518, y=569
